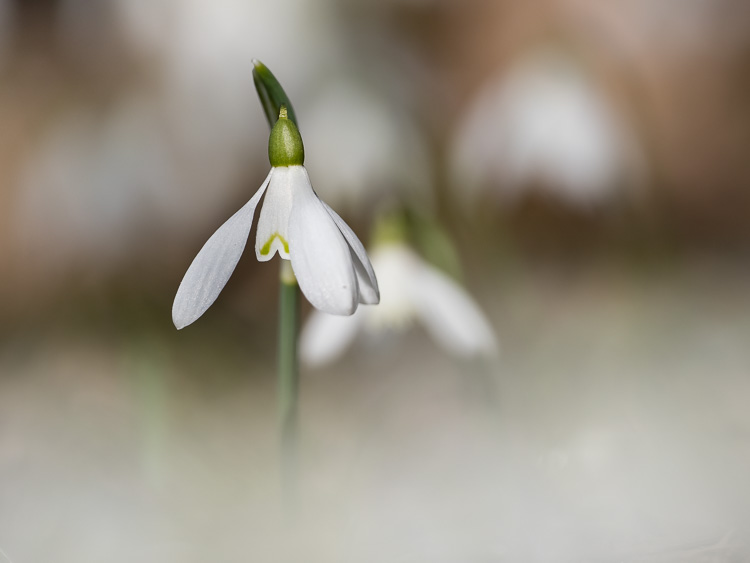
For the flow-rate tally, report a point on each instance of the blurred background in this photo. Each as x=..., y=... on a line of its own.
x=587, y=168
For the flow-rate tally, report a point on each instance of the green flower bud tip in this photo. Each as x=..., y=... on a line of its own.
x=285, y=146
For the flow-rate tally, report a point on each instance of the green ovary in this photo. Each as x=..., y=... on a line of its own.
x=266, y=248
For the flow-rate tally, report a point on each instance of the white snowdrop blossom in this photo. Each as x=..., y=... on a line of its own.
x=411, y=291
x=545, y=124
x=329, y=261
x=88, y=183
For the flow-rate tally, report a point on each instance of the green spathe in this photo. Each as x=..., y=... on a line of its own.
x=271, y=94
x=285, y=146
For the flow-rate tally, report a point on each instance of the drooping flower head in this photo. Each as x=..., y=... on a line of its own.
x=413, y=292
x=329, y=261
x=546, y=124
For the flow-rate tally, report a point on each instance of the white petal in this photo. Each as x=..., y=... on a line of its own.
x=325, y=338
x=274, y=217
x=368, y=283
x=211, y=269
x=450, y=315
x=321, y=258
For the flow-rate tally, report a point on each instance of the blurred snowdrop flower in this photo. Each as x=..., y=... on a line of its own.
x=411, y=290
x=92, y=181
x=393, y=155
x=328, y=259
x=545, y=124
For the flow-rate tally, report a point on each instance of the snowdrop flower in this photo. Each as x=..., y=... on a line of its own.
x=546, y=124
x=90, y=181
x=328, y=259
x=412, y=290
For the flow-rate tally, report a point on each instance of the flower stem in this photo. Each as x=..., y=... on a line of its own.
x=288, y=375
x=273, y=99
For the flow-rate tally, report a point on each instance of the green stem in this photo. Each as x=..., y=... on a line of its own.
x=288, y=377
x=272, y=98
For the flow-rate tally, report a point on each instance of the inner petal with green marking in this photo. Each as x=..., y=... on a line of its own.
x=272, y=245
x=273, y=222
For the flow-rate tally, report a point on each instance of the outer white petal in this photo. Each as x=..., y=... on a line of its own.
x=369, y=293
x=211, y=269
x=325, y=338
x=320, y=255
x=450, y=315
x=272, y=233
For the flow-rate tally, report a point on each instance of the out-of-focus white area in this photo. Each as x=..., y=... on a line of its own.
x=94, y=183
x=362, y=152
x=544, y=124
x=614, y=430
